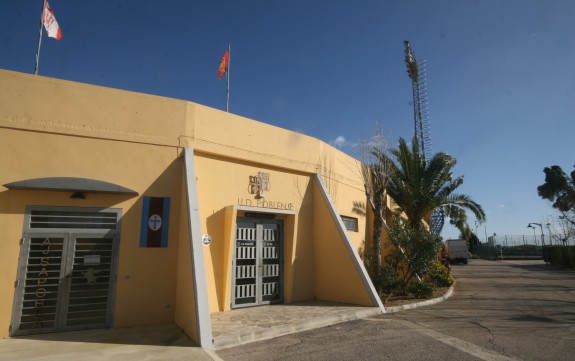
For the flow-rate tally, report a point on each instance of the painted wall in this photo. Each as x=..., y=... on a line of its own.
x=146, y=283
x=336, y=276
x=224, y=182
x=52, y=127
x=185, y=314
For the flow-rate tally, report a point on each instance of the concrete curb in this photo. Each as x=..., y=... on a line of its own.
x=420, y=304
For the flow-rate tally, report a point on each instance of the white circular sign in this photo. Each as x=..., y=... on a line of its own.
x=155, y=222
x=206, y=239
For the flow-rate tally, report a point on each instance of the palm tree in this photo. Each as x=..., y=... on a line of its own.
x=375, y=184
x=419, y=187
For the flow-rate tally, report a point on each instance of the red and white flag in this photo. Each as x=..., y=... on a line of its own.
x=50, y=23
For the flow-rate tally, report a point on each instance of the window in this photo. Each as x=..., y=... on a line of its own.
x=350, y=223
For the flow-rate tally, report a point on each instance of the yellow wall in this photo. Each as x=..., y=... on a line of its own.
x=336, y=276
x=224, y=182
x=185, y=313
x=52, y=127
x=143, y=167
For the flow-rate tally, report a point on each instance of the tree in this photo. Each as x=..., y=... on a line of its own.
x=419, y=186
x=414, y=247
x=375, y=184
x=458, y=219
x=561, y=230
x=472, y=242
x=559, y=189
x=374, y=176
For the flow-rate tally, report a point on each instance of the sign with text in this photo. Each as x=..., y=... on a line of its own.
x=258, y=184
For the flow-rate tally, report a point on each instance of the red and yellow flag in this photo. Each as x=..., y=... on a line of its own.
x=223, y=65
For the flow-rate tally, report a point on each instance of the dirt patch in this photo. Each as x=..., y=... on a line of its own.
x=399, y=300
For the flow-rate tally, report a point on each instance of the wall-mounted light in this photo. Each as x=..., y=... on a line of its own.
x=78, y=195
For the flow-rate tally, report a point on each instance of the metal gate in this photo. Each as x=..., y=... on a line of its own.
x=258, y=262
x=67, y=270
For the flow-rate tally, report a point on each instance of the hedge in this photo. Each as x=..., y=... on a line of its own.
x=560, y=256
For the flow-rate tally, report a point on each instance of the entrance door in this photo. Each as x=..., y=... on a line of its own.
x=258, y=262
x=66, y=277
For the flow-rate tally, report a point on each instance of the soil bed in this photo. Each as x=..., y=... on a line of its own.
x=399, y=300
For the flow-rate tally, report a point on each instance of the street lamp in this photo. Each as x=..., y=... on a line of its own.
x=534, y=235
x=540, y=226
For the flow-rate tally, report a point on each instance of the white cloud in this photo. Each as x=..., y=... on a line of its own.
x=339, y=142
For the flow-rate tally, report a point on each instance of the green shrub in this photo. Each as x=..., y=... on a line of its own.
x=411, y=250
x=559, y=256
x=387, y=280
x=568, y=257
x=401, y=288
x=439, y=275
x=420, y=289
x=552, y=255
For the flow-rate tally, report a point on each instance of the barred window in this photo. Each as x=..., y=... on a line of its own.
x=350, y=223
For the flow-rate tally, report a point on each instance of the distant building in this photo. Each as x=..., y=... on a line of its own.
x=122, y=209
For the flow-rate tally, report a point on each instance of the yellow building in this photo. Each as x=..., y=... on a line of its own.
x=121, y=209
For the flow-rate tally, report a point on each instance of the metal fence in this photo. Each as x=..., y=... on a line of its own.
x=524, y=240
x=510, y=247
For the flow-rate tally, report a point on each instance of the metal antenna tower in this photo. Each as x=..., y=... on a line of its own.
x=418, y=76
x=422, y=132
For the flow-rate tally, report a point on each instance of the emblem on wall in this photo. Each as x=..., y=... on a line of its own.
x=259, y=184
x=155, y=222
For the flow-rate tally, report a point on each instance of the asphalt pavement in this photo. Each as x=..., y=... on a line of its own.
x=522, y=310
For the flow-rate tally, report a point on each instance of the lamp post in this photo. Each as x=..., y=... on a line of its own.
x=476, y=225
x=540, y=226
x=534, y=235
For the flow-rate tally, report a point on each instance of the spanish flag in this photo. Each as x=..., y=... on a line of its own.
x=223, y=64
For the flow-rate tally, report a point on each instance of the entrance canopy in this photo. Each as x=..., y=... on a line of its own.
x=70, y=184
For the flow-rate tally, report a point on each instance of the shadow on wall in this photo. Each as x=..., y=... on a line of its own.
x=146, y=283
x=215, y=224
x=302, y=251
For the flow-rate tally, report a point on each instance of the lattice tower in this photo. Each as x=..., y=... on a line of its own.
x=422, y=131
x=418, y=75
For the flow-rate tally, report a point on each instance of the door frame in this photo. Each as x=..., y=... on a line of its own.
x=69, y=236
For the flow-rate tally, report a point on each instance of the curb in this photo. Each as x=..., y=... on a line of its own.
x=420, y=304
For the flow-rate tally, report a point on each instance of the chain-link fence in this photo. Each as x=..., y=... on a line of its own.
x=510, y=247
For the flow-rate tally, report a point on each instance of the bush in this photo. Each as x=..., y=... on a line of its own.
x=420, y=289
x=439, y=275
x=559, y=256
x=568, y=257
x=387, y=280
x=552, y=255
x=411, y=250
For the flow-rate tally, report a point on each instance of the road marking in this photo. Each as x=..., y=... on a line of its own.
x=467, y=347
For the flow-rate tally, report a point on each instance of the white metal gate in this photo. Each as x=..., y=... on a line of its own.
x=67, y=270
x=258, y=263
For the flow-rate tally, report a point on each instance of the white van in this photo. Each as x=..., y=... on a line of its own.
x=457, y=250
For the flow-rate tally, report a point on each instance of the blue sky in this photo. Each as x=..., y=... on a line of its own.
x=500, y=78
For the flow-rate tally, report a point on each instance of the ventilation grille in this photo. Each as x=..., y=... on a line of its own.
x=72, y=220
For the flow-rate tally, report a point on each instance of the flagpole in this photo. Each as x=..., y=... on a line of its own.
x=40, y=37
x=228, y=79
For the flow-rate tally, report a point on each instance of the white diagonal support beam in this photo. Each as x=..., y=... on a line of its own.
x=198, y=266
